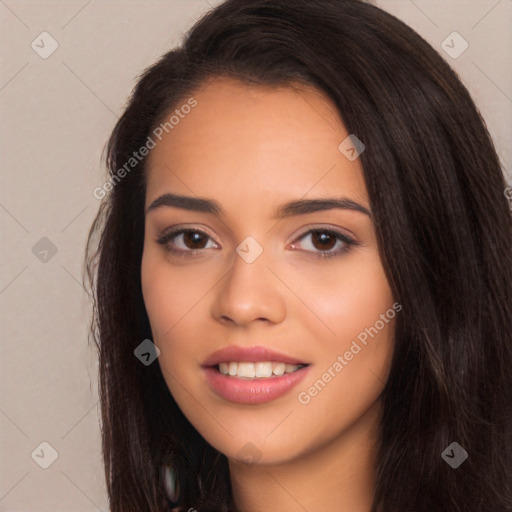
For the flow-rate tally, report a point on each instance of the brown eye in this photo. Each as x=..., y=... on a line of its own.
x=192, y=241
x=323, y=242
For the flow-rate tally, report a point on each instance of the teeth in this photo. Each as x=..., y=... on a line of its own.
x=263, y=369
x=232, y=369
x=246, y=370
x=257, y=370
x=279, y=369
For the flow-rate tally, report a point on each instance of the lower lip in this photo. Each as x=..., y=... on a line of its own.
x=252, y=391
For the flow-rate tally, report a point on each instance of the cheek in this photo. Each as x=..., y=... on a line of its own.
x=353, y=353
x=169, y=299
x=158, y=294
x=175, y=299
x=345, y=302
x=170, y=293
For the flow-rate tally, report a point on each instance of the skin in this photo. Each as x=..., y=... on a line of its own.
x=253, y=148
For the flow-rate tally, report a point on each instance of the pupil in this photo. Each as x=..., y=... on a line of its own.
x=193, y=236
x=323, y=236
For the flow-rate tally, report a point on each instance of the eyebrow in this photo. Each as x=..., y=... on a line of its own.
x=290, y=209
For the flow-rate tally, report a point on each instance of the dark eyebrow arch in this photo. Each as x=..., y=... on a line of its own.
x=300, y=207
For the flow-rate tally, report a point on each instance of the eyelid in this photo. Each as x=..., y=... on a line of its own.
x=171, y=232
x=324, y=227
x=174, y=231
x=180, y=228
x=314, y=227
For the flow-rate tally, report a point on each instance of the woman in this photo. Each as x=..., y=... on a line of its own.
x=302, y=275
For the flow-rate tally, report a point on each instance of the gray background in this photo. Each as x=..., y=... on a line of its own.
x=57, y=113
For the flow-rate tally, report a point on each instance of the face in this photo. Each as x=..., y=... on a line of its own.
x=253, y=288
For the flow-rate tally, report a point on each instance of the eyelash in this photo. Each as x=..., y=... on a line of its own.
x=166, y=237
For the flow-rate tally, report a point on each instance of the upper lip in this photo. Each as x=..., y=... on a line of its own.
x=253, y=354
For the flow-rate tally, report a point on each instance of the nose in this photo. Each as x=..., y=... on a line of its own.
x=249, y=292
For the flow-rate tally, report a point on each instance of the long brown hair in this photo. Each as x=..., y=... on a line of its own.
x=444, y=230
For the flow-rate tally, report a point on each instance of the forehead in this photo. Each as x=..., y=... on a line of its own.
x=258, y=142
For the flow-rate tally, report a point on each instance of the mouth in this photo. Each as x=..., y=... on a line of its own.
x=257, y=370
x=257, y=355
x=252, y=375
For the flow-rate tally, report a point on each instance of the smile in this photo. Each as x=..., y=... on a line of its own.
x=259, y=370
x=252, y=375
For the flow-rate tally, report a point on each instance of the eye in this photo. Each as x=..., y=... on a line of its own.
x=192, y=239
x=323, y=241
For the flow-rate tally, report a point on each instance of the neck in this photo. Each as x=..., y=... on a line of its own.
x=339, y=475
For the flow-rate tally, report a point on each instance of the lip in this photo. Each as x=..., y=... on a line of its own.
x=252, y=391
x=249, y=355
